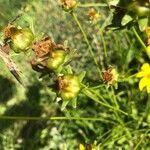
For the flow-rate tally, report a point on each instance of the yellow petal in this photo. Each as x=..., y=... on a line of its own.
x=81, y=147
x=140, y=74
x=145, y=67
x=148, y=89
x=143, y=83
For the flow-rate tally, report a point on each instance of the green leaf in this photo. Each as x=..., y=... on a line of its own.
x=113, y=2
x=64, y=104
x=74, y=102
x=126, y=19
x=82, y=75
x=143, y=23
x=68, y=69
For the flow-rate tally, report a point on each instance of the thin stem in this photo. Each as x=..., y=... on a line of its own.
x=104, y=43
x=97, y=87
x=53, y=118
x=89, y=94
x=114, y=97
x=92, y=5
x=88, y=43
x=140, y=141
x=139, y=38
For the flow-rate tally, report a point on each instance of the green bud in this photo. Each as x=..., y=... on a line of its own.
x=22, y=39
x=56, y=59
x=68, y=87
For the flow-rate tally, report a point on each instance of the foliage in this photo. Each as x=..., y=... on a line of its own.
x=101, y=48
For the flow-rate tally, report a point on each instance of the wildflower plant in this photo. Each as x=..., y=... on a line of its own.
x=71, y=74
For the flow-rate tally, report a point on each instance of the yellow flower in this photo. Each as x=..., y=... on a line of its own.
x=93, y=15
x=110, y=76
x=87, y=147
x=144, y=74
x=148, y=32
x=68, y=4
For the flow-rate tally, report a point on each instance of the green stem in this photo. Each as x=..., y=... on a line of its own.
x=92, y=5
x=104, y=43
x=97, y=87
x=126, y=79
x=139, y=38
x=53, y=118
x=140, y=141
x=89, y=94
x=88, y=43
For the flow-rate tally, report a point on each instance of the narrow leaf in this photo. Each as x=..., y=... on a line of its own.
x=64, y=104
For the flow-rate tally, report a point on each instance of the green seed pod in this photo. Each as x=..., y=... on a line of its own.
x=68, y=87
x=22, y=39
x=56, y=59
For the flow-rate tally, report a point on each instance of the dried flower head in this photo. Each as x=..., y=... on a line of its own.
x=93, y=15
x=68, y=4
x=43, y=47
x=49, y=56
x=110, y=76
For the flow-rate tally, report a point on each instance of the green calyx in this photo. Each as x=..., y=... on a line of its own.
x=22, y=39
x=57, y=57
x=70, y=87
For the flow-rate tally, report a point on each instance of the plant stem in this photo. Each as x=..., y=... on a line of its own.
x=104, y=43
x=92, y=5
x=53, y=118
x=88, y=43
x=89, y=94
x=139, y=38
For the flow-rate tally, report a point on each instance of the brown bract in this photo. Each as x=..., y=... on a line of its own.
x=9, y=30
x=110, y=76
x=43, y=47
x=61, y=84
x=107, y=76
x=5, y=48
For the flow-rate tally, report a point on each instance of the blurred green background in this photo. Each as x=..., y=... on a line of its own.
x=36, y=99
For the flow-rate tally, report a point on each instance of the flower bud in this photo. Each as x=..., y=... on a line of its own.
x=68, y=87
x=68, y=4
x=22, y=39
x=57, y=57
x=110, y=76
x=94, y=16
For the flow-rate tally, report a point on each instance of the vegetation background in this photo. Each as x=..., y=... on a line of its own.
x=119, y=48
